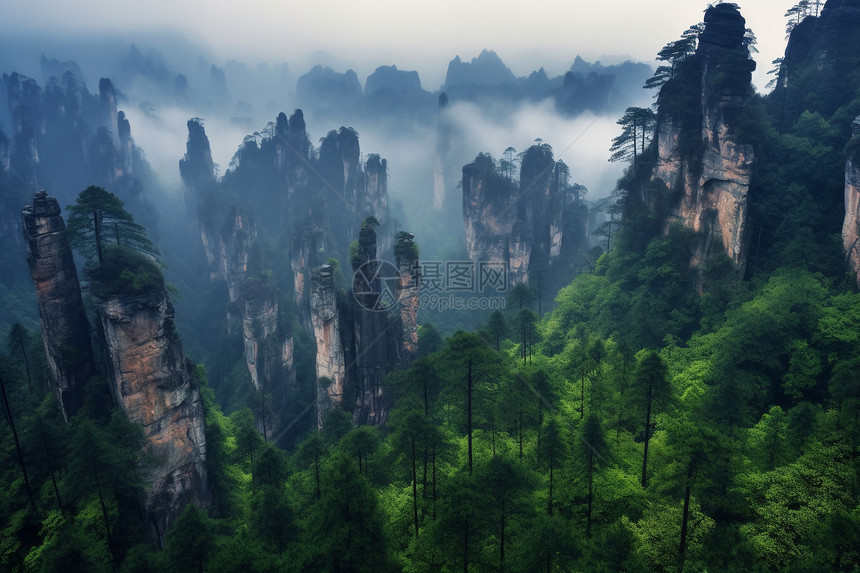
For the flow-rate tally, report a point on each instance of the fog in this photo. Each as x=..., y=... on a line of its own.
x=420, y=36
x=582, y=142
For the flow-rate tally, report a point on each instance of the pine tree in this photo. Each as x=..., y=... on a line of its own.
x=97, y=219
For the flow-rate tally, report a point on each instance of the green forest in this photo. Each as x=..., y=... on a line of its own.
x=660, y=416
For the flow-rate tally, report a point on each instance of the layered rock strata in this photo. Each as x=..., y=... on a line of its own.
x=65, y=330
x=531, y=225
x=268, y=354
x=851, y=224
x=153, y=383
x=330, y=361
x=710, y=179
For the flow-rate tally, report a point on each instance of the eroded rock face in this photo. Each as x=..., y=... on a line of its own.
x=325, y=318
x=152, y=381
x=712, y=182
x=851, y=224
x=489, y=214
x=307, y=251
x=533, y=226
x=268, y=354
x=65, y=330
x=407, y=265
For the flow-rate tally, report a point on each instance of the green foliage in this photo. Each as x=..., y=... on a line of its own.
x=125, y=271
x=97, y=219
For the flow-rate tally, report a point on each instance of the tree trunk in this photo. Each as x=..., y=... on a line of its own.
x=51, y=467
x=469, y=412
x=434, y=483
x=540, y=422
x=647, y=437
x=98, y=233
x=685, y=516
x=20, y=456
x=414, y=489
x=317, y=475
x=551, y=463
x=520, y=431
x=582, y=395
x=590, y=489
x=502, y=541
x=26, y=363
x=465, y=546
x=104, y=509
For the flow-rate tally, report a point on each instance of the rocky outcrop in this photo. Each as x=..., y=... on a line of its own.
x=851, y=224
x=374, y=200
x=703, y=171
x=822, y=54
x=24, y=98
x=390, y=78
x=533, y=225
x=196, y=167
x=229, y=237
x=153, y=382
x=65, y=330
x=226, y=231
x=489, y=212
x=268, y=353
x=324, y=86
x=306, y=252
x=406, y=256
x=330, y=362
x=367, y=344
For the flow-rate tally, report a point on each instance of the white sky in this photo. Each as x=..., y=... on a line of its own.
x=412, y=35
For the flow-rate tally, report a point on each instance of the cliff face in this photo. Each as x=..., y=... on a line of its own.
x=152, y=381
x=489, y=212
x=307, y=251
x=406, y=256
x=700, y=163
x=822, y=54
x=268, y=353
x=229, y=236
x=534, y=226
x=851, y=224
x=330, y=362
x=367, y=343
x=65, y=330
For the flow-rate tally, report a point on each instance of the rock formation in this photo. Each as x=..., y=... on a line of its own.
x=406, y=256
x=268, y=352
x=365, y=335
x=65, y=330
x=702, y=175
x=153, y=382
x=279, y=190
x=532, y=226
x=851, y=225
x=330, y=362
x=821, y=55
x=368, y=349
x=229, y=236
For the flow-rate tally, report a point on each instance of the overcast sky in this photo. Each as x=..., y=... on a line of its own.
x=412, y=35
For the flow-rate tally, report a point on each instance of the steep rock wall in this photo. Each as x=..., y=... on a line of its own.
x=65, y=330
x=152, y=381
x=851, y=224
x=533, y=226
x=707, y=183
x=268, y=354
x=330, y=362
x=406, y=257
x=489, y=216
